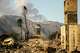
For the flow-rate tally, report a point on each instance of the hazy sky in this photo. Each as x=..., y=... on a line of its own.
x=52, y=9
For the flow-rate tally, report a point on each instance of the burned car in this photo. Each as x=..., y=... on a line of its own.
x=8, y=41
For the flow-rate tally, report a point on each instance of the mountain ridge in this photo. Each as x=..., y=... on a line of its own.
x=8, y=24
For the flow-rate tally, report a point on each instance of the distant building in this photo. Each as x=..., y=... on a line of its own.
x=38, y=29
x=70, y=30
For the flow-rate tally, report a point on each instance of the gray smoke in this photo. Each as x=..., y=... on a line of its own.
x=7, y=7
x=11, y=7
x=34, y=15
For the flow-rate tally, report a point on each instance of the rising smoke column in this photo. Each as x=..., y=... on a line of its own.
x=33, y=13
x=19, y=5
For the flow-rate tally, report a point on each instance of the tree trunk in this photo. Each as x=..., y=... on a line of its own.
x=21, y=32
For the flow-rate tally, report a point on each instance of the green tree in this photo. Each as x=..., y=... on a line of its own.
x=19, y=23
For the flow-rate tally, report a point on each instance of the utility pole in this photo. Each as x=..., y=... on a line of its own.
x=24, y=14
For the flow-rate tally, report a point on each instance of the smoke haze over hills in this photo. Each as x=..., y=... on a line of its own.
x=8, y=24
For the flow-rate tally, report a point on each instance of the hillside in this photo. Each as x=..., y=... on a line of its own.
x=8, y=24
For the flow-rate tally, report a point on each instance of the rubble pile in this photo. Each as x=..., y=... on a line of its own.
x=36, y=45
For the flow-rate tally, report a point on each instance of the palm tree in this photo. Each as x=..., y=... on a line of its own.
x=19, y=22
